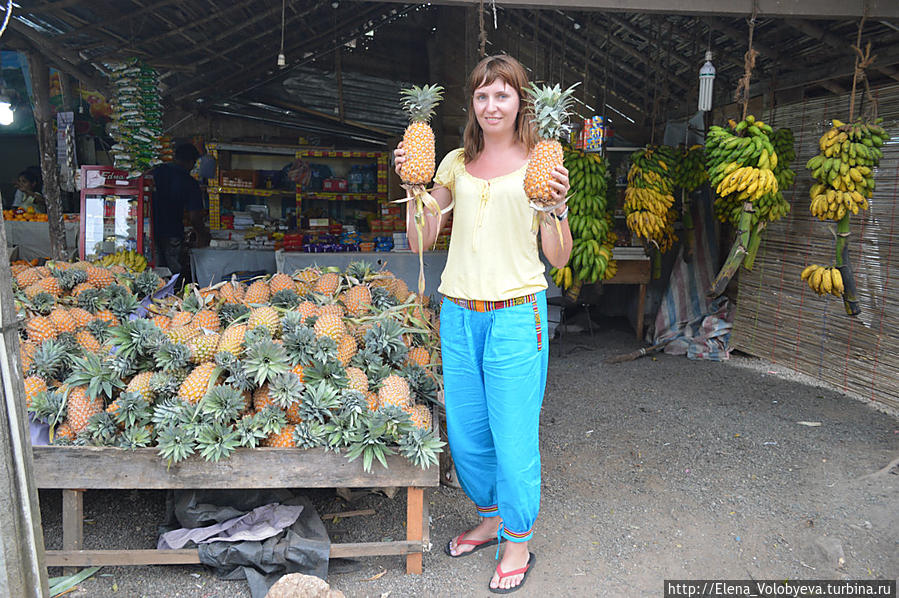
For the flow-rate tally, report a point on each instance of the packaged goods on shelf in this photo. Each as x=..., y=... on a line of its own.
x=136, y=124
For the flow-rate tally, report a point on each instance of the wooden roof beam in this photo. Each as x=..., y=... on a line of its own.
x=742, y=38
x=834, y=41
x=119, y=18
x=61, y=57
x=630, y=28
x=16, y=41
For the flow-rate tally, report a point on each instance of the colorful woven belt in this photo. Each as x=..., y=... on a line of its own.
x=492, y=305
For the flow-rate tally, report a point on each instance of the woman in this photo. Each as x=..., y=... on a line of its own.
x=28, y=190
x=492, y=321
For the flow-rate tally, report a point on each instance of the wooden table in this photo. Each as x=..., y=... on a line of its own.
x=634, y=267
x=76, y=469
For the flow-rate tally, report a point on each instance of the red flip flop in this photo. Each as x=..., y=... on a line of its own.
x=526, y=569
x=478, y=545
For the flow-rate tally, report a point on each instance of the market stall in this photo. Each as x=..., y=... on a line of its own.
x=33, y=238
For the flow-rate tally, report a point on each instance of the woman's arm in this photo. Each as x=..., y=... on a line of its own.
x=432, y=222
x=557, y=253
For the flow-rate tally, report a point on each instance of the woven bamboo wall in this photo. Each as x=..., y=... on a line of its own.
x=779, y=318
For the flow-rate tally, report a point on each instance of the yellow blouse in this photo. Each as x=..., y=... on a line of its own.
x=493, y=254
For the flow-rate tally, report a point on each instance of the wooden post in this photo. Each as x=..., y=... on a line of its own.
x=22, y=570
x=414, y=533
x=46, y=140
x=72, y=523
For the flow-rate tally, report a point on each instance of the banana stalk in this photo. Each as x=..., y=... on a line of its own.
x=755, y=239
x=737, y=253
x=850, y=291
x=687, y=219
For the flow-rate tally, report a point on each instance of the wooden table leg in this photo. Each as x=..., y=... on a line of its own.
x=72, y=523
x=414, y=522
x=641, y=306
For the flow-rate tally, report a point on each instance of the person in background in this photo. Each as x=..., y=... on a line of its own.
x=28, y=190
x=176, y=192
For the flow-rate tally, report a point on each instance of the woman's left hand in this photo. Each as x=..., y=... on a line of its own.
x=559, y=185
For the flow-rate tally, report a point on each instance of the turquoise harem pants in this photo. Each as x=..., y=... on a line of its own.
x=494, y=374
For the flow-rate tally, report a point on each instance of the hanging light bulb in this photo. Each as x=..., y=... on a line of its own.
x=282, y=60
x=706, y=82
x=6, y=114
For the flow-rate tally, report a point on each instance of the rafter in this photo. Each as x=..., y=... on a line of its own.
x=834, y=41
x=119, y=18
x=58, y=55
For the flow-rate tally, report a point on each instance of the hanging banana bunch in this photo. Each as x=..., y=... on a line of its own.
x=743, y=168
x=844, y=171
x=589, y=219
x=649, y=199
x=689, y=175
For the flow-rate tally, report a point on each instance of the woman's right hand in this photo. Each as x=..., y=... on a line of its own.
x=399, y=156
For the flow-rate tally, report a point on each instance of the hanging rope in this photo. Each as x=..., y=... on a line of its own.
x=742, y=94
x=863, y=60
x=655, y=90
x=482, y=35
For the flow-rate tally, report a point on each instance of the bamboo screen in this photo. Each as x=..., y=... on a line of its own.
x=779, y=318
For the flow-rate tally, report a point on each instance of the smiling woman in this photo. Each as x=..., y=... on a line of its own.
x=494, y=342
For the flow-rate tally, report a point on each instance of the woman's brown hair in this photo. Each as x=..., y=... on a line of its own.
x=486, y=72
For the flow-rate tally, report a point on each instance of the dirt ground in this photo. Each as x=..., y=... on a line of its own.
x=660, y=468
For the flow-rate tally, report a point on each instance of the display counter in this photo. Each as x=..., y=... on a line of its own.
x=211, y=265
x=33, y=238
x=404, y=264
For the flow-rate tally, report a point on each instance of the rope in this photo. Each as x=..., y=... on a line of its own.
x=655, y=90
x=742, y=94
x=482, y=35
x=863, y=60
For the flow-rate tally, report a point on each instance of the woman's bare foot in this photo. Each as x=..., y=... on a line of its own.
x=515, y=556
x=485, y=530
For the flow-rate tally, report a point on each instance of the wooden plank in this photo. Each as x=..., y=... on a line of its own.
x=414, y=520
x=114, y=468
x=72, y=522
x=641, y=307
x=631, y=272
x=189, y=556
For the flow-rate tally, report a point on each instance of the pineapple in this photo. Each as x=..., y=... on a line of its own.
x=87, y=341
x=346, y=348
x=395, y=391
x=63, y=320
x=182, y=318
x=418, y=139
x=357, y=380
x=282, y=439
x=330, y=325
x=232, y=293
x=302, y=288
x=357, y=300
x=298, y=370
x=265, y=315
x=26, y=354
x=372, y=400
x=262, y=398
x=80, y=408
x=40, y=328
x=182, y=334
x=100, y=278
x=28, y=277
x=327, y=284
x=33, y=386
x=203, y=347
x=206, y=319
x=280, y=282
x=198, y=382
x=79, y=288
x=258, y=292
x=161, y=322
x=551, y=111
x=82, y=316
x=421, y=416
x=107, y=316
x=308, y=309
x=265, y=360
x=141, y=385
x=419, y=355
x=331, y=308
x=232, y=339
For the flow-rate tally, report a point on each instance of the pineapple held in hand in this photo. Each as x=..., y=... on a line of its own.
x=418, y=140
x=551, y=111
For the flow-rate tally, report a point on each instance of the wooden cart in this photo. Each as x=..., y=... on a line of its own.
x=76, y=469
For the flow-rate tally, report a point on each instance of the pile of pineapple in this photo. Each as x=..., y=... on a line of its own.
x=348, y=361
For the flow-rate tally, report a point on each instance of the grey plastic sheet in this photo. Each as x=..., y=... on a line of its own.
x=300, y=545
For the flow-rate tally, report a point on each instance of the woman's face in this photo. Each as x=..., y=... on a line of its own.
x=496, y=107
x=24, y=184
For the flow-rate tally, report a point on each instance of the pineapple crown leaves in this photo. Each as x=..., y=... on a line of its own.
x=291, y=321
x=49, y=406
x=419, y=102
x=216, y=441
x=172, y=412
x=324, y=349
x=136, y=437
x=285, y=299
x=170, y=357
x=386, y=338
x=102, y=429
x=67, y=342
x=165, y=385
x=100, y=329
x=371, y=443
x=354, y=407
x=124, y=305
x=49, y=360
x=264, y=360
x=396, y=421
x=136, y=338
x=310, y=434
x=340, y=433
x=421, y=447
x=70, y=278
x=319, y=402
x=176, y=443
x=382, y=298
x=115, y=290
x=133, y=410
x=43, y=303
x=222, y=404
x=91, y=300
x=89, y=370
x=331, y=372
x=286, y=389
x=271, y=420
x=193, y=301
x=249, y=431
x=358, y=272
x=256, y=335
x=551, y=109
x=230, y=313
x=422, y=386
x=146, y=283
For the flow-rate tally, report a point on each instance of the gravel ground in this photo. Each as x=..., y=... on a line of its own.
x=654, y=469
